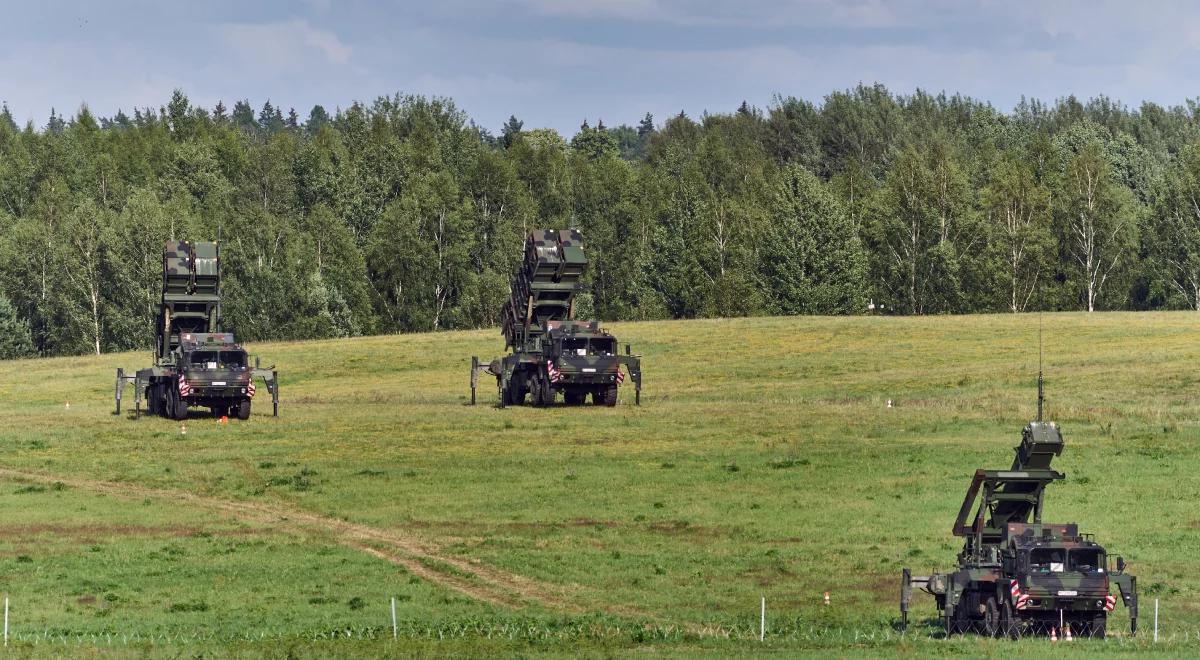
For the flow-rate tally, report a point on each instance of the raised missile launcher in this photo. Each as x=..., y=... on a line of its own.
x=195, y=364
x=549, y=351
x=1017, y=575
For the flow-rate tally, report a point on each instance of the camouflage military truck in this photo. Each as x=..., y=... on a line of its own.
x=1017, y=575
x=195, y=364
x=549, y=351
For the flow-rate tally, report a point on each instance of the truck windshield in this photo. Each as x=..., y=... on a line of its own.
x=1087, y=560
x=593, y=346
x=218, y=359
x=1047, y=560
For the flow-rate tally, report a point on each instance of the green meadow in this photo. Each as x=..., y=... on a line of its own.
x=764, y=462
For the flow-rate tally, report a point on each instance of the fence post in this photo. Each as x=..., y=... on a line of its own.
x=762, y=622
x=1155, y=620
x=394, y=631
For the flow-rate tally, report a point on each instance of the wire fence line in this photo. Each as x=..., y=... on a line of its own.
x=549, y=632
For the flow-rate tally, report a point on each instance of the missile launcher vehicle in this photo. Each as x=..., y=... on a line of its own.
x=1016, y=574
x=549, y=351
x=195, y=364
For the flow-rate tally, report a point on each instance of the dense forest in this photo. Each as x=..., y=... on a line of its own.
x=404, y=215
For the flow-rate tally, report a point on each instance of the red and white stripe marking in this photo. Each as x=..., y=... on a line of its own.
x=620, y=376
x=1020, y=600
x=184, y=388
x=553, y=372
x=1110, y=602
x=250, y=389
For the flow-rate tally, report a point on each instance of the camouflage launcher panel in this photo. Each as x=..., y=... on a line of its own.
x=191, y=294
x=545, y=286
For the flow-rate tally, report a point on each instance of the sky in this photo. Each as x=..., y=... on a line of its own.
x=555, y=63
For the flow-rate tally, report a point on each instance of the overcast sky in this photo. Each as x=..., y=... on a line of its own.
x=555, y=62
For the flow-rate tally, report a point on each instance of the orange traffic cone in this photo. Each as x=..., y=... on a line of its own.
x=224, y=419
x=1053, y=634
x=1067, y=633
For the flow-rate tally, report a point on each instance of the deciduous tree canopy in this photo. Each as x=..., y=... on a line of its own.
x=403, y=215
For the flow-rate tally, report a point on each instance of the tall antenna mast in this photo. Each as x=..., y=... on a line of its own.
x=1041, y=382
x=219, y=285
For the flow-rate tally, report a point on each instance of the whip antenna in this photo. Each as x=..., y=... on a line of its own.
x=1041, y=382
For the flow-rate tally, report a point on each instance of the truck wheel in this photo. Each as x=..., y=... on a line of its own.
x=1098, y=626
x=609, y=395
x=1010, y=625
x=547, y=391
x=535, y=392
x=991, y=617
x=180, y=409
x=243, y=409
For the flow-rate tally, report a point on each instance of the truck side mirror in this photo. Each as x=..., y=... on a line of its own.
x=1120, y=564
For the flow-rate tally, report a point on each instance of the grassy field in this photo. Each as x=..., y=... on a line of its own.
x=764, y=462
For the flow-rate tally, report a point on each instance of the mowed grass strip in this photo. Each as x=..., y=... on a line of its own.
x=763, y=461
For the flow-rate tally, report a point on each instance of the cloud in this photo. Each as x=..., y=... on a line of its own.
x=285, y=44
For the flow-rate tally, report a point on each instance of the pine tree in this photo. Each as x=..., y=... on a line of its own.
x=243, y=116
x=6, y=118
x=317, y=117
x=56, y=124
x=510, y=131
x=646, y=126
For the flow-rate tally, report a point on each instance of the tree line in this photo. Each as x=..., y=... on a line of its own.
x=404, y=215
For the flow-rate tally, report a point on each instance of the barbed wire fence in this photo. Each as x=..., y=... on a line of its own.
x=759, y=629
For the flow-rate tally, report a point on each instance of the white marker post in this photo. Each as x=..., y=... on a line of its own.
x=394, y=631
x=1155, y=620
x=762, y=622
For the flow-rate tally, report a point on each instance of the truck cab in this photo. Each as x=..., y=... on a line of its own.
x=583, y=360
x=1056, y=573
x=214, y=372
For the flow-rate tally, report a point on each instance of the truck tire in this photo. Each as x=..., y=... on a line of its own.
x=1098, y=626
x=153, y=400
x=1010, y=625
x=243, y=409
x=179, y=407
x=535, y=392
x=991, y=617
x=608, y=396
